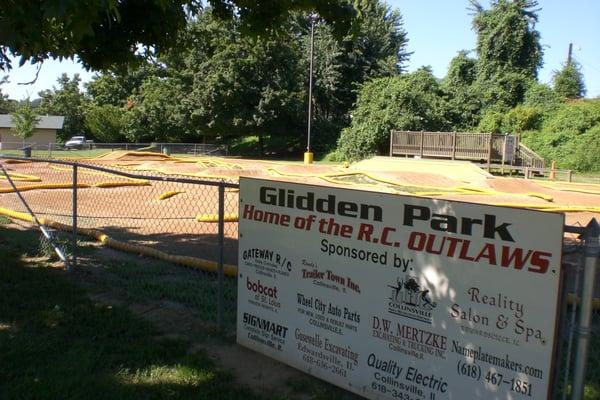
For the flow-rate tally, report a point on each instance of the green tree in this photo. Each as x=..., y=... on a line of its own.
x=230, y=84
x=458, y=86
x=542, y=96
x=105, y=122
x=25, y=120
x=408, y=102
x=568, y=82
x=235, y=85
x=374, y=48
x=5, y=104
x=508, y=48
x=107, y=33
x=517, y=120
x=569, y=135
x=115, y=87
x=66, y=100
x=154, y=112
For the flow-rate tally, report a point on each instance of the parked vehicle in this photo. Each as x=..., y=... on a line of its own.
x=76, y=142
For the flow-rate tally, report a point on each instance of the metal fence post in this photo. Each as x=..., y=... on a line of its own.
x=221, y=300
x=572, y=324
x=562, y=328
x=592, y=259
x=74, y=223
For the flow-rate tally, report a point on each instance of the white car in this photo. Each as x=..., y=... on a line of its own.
x=76, y=142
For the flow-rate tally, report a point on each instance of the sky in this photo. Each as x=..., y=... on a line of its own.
x=437, y=30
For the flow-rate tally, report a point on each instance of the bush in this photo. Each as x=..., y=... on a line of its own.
x=571, y=136
x=408, y=102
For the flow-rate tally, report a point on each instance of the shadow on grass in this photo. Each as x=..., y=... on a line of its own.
x=56, y=343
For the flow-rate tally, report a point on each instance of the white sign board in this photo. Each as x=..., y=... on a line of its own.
x=398, y=297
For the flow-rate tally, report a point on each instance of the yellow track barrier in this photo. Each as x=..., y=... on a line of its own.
x=551, y=207
x=21, y=177
x=169, y=194
x=572, y=189
x=572, y=299
x=121, y=184
x=213, y=218
x=83, y=171
x=192, y=262
x=52, y=186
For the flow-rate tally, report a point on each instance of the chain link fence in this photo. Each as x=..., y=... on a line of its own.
x=179, y=220
x=578, y=359
x=191, y=222
x=92, y=149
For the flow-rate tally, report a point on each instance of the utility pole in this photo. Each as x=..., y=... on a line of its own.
x=308, y=155
x=570, y=55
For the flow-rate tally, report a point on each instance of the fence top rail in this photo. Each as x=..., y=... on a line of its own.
x=125, y=174
x=451, y=133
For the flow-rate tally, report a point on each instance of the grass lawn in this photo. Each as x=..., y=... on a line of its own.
x=72, y=154
x=55, y=343
x=586, y=177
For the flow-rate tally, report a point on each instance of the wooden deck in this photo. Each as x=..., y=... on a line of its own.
x=479, y=147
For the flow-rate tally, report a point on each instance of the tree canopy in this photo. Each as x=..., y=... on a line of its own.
x=66, y=100
x=568, y=82
x=409, y=102
x=104, y=34
x=217, y=81
x=509, y=52
x=5, y=104
x=25, y=120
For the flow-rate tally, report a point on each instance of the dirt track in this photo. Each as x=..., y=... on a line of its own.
x=132, y=211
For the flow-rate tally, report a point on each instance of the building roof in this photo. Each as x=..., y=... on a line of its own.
x=46, y=121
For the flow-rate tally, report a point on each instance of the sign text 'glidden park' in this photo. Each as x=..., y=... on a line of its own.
x=399, y=297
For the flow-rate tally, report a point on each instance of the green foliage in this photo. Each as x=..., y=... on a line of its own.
x=587, y=151
x=542, y=96
x=570, y=136
x=115, y=87
x=100, y=33
x=506, y=38
x=408, y=102
x=517, y=120
x=66, y=100
x=491, y=121
x=107, y=33
x=220, y=83
x=234, y=85
x=105, y=122
x=568, y=82
x=5, y=104
x=464, y=103
x=508, y=48
x=153, y=112
x=25, y=120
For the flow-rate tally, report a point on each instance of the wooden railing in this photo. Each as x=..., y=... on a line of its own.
x=486, y=147
x=529, y=158
x=454, y=145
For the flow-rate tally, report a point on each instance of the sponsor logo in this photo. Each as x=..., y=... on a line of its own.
x=267, y=262
x=409, y=340
x=408, y=299
x=258, y=287
x=265, y=325
x=329, y=279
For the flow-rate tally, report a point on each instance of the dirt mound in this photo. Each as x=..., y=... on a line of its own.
x=123, y=155
x=462, y=172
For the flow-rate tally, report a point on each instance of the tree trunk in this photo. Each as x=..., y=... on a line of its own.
x=261, y=144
